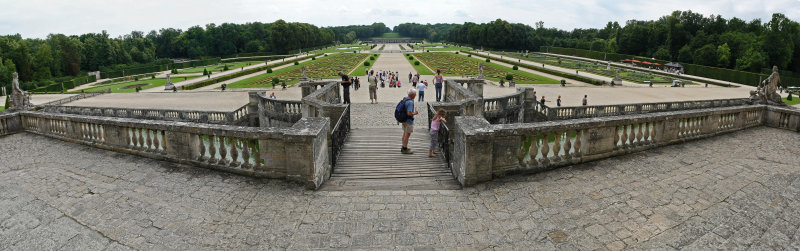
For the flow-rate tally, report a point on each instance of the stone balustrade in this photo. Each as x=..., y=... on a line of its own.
x=237, y=117
x=278, y=113
x=576, y=112
x=75, y=97
x=298, y=153
x=504, y=109
x=10, y=123
x=482, y=151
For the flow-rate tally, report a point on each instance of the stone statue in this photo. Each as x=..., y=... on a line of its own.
x=617, y=79
x=19, y=99
x=169, y=86
x=608, y=66
x=304, y=77
x=480, y=71
x=767, y=90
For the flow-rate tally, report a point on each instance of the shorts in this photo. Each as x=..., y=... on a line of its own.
x=409, y=128
x=373, y=94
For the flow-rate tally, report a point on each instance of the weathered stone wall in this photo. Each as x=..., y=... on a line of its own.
x=298, y=153
x=483, y=151
x=237, y=117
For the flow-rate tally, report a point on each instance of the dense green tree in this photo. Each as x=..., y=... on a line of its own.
x=723, y=55
x=706, y=55
x=752, y=60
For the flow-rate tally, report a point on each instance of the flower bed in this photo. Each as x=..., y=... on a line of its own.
x=325, y=68
x=458, y=65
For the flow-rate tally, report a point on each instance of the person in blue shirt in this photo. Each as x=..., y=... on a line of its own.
x=408, y=126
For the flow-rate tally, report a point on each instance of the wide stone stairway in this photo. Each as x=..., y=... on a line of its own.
x=371, y=160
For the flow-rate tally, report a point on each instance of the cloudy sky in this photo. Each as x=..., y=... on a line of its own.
x=37, y=18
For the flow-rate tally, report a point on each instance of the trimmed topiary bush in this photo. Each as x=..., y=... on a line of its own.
x=205, y=71
x=487, y=60
x=416, y=62
x=372, y=58
x=469, y=56
x=410, y=58
x=275, y=81
x=152, y=76
x=509, y=76
x=366, y=63
x=269, y=70
x=789, y=97
x=313, y=58
x=225, y=68
x=515, y=68
x=456, y=52
x=296, y=63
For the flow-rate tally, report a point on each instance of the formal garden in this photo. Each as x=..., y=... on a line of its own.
x=452, y=64
x=342, y=48
x=131, y=85
x=428, y=47
x=324, y=67
x=629, y=76
x=217, y=67
x=419, y=67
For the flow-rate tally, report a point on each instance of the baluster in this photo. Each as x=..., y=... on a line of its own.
x=134, y=139
x=212, y=149
x=624, y=135
x=148, y=135
x=616, y=136
x=557, y=147
x=234, y=153
x=534, y=150
x=523, y=152
x=647, y=131
x=202, y=148
x=141, y=138
x=164, y=140
x=246, y=154
x=545, y=149
x=577, y=151
x=567, y=146
x=639, y=134
x=632, y=134
x=223, y=151
x=156, y=144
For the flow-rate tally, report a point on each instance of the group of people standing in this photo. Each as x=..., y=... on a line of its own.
x=542, y=101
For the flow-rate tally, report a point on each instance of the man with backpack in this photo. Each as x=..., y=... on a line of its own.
x=345, y=87
x=404, y=113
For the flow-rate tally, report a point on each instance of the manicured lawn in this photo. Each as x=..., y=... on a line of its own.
x=362, y=68
x=218, y=67
x=435, y=47
x=452, y=64
x=130, y=86
x=421, y=69
x=391, y=35
x=323, y=67
x=795, y=100
x=347, y=48
x=2, y=108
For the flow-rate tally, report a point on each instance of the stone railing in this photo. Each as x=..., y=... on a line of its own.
x=75, y=97
x=298, y=153
x=575, y=112
x=278, y=113
x=504, y=109
x=236, y=117
x=10, y=123
x=483, y=151
x=459, y=100
x=324, y=102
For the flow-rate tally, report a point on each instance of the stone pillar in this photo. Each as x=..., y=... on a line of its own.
x=254, y=112
x=710, y=124
x=181, y=145
x=598, y=141
x=476, y=88
x=115, y=136
x=472, y=150
x=667, y=130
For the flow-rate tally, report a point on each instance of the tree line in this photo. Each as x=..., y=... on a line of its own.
x=682, y=36
x=59, y=57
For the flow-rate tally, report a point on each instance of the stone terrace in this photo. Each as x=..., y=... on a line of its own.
x=738, y=190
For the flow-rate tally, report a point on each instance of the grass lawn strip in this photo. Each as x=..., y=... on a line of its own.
x=795, y=100
x=130, y=86
x=361, y=67
x=336, y=49
x=322, y=68
x=459, y=65
x=390, y=35
x=422, y=68
x=218, y=67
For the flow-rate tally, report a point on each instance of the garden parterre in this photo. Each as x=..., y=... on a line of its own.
x=458, y=65
x=321, y=68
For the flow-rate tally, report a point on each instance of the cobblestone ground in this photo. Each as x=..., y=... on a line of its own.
x=740, y=190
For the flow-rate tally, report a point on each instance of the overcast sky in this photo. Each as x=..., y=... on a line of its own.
x=37, y=18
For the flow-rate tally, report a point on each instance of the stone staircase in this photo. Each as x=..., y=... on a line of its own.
x=371, y=160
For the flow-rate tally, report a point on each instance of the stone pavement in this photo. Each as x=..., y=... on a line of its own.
x=40, y=99
x=739, y=191
x=198, y=101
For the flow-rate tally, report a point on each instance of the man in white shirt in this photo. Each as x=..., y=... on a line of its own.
x=421, y=94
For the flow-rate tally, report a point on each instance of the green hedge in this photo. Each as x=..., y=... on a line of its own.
x=544, y=70
x=56, y=86
x=157, y=68
x=242, y=73
x=730, y=75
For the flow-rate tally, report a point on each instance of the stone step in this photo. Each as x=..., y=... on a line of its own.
x=415, y=183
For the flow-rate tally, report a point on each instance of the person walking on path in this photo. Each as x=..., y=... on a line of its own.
x=409, y=76
x=584, y=102
x=414, y=80
x=438, y=80
x=436, y=123
x=373, y=89
x=558, y=101
x=408, y=125
x=345, y=87
x=542, y=102
x=421, y=92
